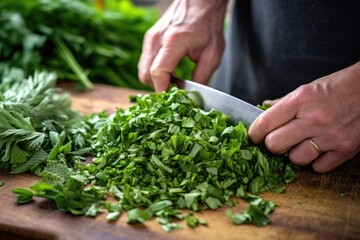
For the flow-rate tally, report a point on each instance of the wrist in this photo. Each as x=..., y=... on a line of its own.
x=356, y=67
x=355, y=70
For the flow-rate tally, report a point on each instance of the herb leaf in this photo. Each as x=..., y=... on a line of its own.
x=24, y=195
x=256, y=213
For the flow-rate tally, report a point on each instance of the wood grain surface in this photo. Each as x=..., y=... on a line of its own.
x=316, y=206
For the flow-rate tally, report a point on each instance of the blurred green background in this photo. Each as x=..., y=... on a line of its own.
x=83, y=40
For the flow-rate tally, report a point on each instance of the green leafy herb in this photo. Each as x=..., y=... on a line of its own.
x=168, y=141
x=161, y=155
x=34, y=135
x=193, y=221
x=73, y=197
x=114, y=210
x=112, y=216
x=264, y=106
x=2, y=183
x=24, y=195
x=256, y=213
x=343, y=194
x=186, y=157
x=137, y=216
x=171, y=227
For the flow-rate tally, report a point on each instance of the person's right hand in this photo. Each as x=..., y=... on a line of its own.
x=192, y=28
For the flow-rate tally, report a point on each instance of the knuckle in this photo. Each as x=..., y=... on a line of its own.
x=154, y=71
x=320, y=118
x=347, y=145
x=174, y=35
x=213, y=61
x=180, y=34
x=302, y=94
x=272, y=144
x=299, y=158
x=333, y=133
x=142, y=76
x=263, y=123
x=298, y=161
x=151, y=37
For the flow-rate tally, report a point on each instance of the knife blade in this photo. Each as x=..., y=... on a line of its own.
x=236, y=109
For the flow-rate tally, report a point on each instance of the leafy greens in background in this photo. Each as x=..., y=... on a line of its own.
x=76, y=39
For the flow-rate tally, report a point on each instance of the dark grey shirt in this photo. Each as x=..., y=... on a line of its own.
x=274, y=46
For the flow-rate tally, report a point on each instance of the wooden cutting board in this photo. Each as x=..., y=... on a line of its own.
x=316, y=206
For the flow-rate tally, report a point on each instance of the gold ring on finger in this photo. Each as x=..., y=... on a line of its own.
x=315, y=146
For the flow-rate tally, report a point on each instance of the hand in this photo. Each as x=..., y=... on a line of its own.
x=325, y=111
x=191, y=28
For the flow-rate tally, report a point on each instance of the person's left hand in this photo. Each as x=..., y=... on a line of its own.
x=318, y=123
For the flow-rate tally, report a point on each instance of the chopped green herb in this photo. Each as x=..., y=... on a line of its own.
x=163, y=220
x=279, y=189
x=112, y=216
x=2, y=183
x=193, y=221
x=24, y=195
x=256, y=213
x=343, y=194
x=264, y=106
x=171, y=227
x=136, y=215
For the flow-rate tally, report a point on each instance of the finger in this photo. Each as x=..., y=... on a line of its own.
x=271, y=119
x=149, y=50
x=164, y=65
x=143, y=69
x=205, y=67
x=271, y=102
x=283, y=138
x=329, y=161
x=303, y=153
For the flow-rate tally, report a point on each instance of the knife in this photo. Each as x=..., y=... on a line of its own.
x=236, y=109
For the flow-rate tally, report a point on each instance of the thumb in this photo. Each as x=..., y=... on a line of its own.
x=164, y=65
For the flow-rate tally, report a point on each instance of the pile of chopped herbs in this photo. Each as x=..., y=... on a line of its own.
x=162, y=155
x=76, y=39
x=182, y=153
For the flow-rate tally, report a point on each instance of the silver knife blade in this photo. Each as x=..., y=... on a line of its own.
x=236, y=109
